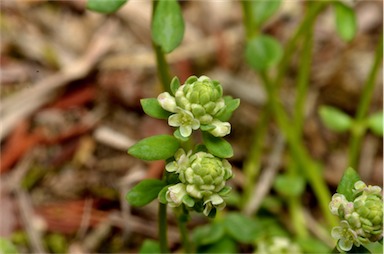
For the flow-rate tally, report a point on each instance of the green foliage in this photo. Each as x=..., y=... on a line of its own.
x=262, y=10
x=150, y=246
x=289, y=185
x=152, y=108
x=225, y=245
x=105, y=6
x=208, y=234
x=335, y=119
x=217, y=146
x=167, y=25
x=346, y=185
x=230, y=106
x=263, y=52
x=158, y=147
x=345, y=19
x=175, y=84
x=144, y=192
x=375, y=123
x=57, y=243
x=312, y=245
x=7, y=247
x=241, y=228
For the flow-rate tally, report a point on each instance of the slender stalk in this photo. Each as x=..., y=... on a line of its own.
x=250, y=31
x=362, y=109
x=162, y=68
x=184, y=233
x=297, y=217
x=162, y=227
x=314, y=9
x=303, y=80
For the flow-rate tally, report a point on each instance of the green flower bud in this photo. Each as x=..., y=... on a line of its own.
x=167, y=102
x=185, y=121
x=201, y=96
x=206, y=175
x=345, y=235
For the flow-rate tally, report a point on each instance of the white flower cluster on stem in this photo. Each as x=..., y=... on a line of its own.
x=361, y=219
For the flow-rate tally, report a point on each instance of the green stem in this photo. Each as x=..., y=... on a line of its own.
x=250, y=31
x=184, y=233
x=252, y=163
x=314, y=9
x=161, y=61
x=162, y=227
x=297, y=216
x=162, y=68
x=362, y=109
x=303, y=80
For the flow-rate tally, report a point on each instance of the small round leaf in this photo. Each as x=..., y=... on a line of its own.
x=105, y=6
x=151, y=107
x=217, y=146
x=375, y=123
x=345, y=19
x=335, y=119
x=263, y=52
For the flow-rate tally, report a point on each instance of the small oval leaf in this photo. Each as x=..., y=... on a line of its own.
x=151, y=107
x=347, y=182
x=230, y=106
x=158, y=147
x=175, y=84
x=242, y=228
x=144, y=192
x=167, y=25
x=217, y=146
x=263, y=52
x=105, y=6
x=375, y=123
x=263, y=10
x=208, y=234
x=345, y=19
x=335, y=119
x=150, y=246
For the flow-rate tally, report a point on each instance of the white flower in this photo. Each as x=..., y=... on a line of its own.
x=185, y=121
x=221, y=128
x=345, y=235
x=175, y=195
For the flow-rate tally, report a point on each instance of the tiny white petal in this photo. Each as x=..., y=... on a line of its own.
x=167, y=102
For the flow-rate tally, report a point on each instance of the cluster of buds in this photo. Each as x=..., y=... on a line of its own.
x=202, y=179
x=361, y=219
x=197, y=104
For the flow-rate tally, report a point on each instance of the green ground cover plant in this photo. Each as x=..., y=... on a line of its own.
x=197, y=156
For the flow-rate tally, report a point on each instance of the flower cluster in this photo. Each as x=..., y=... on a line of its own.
x=361, y=219
x=202, y=179
x=196, y=104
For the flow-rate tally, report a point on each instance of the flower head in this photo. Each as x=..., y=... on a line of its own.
x=175, y=195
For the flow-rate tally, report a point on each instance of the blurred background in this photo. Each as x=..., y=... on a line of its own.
x=71, y=84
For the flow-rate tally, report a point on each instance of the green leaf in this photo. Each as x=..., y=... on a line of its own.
x=225, y=245
x=150, y=246
x=263, y=52
x=144, y=192
x=312, y=245
x=158, y=147
x=175, y=84
x=335, y=119
x=262, y=10
x=242, y=228
x=217, y=146
x=345, y=187
x=289, y=185
x=105, y=6
x=151, y=107
x=375, y=123
x=345, y=18
x=162, y=194
x=167, y=25
x=230, y=106
x=178, y=135
x=208, y=234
